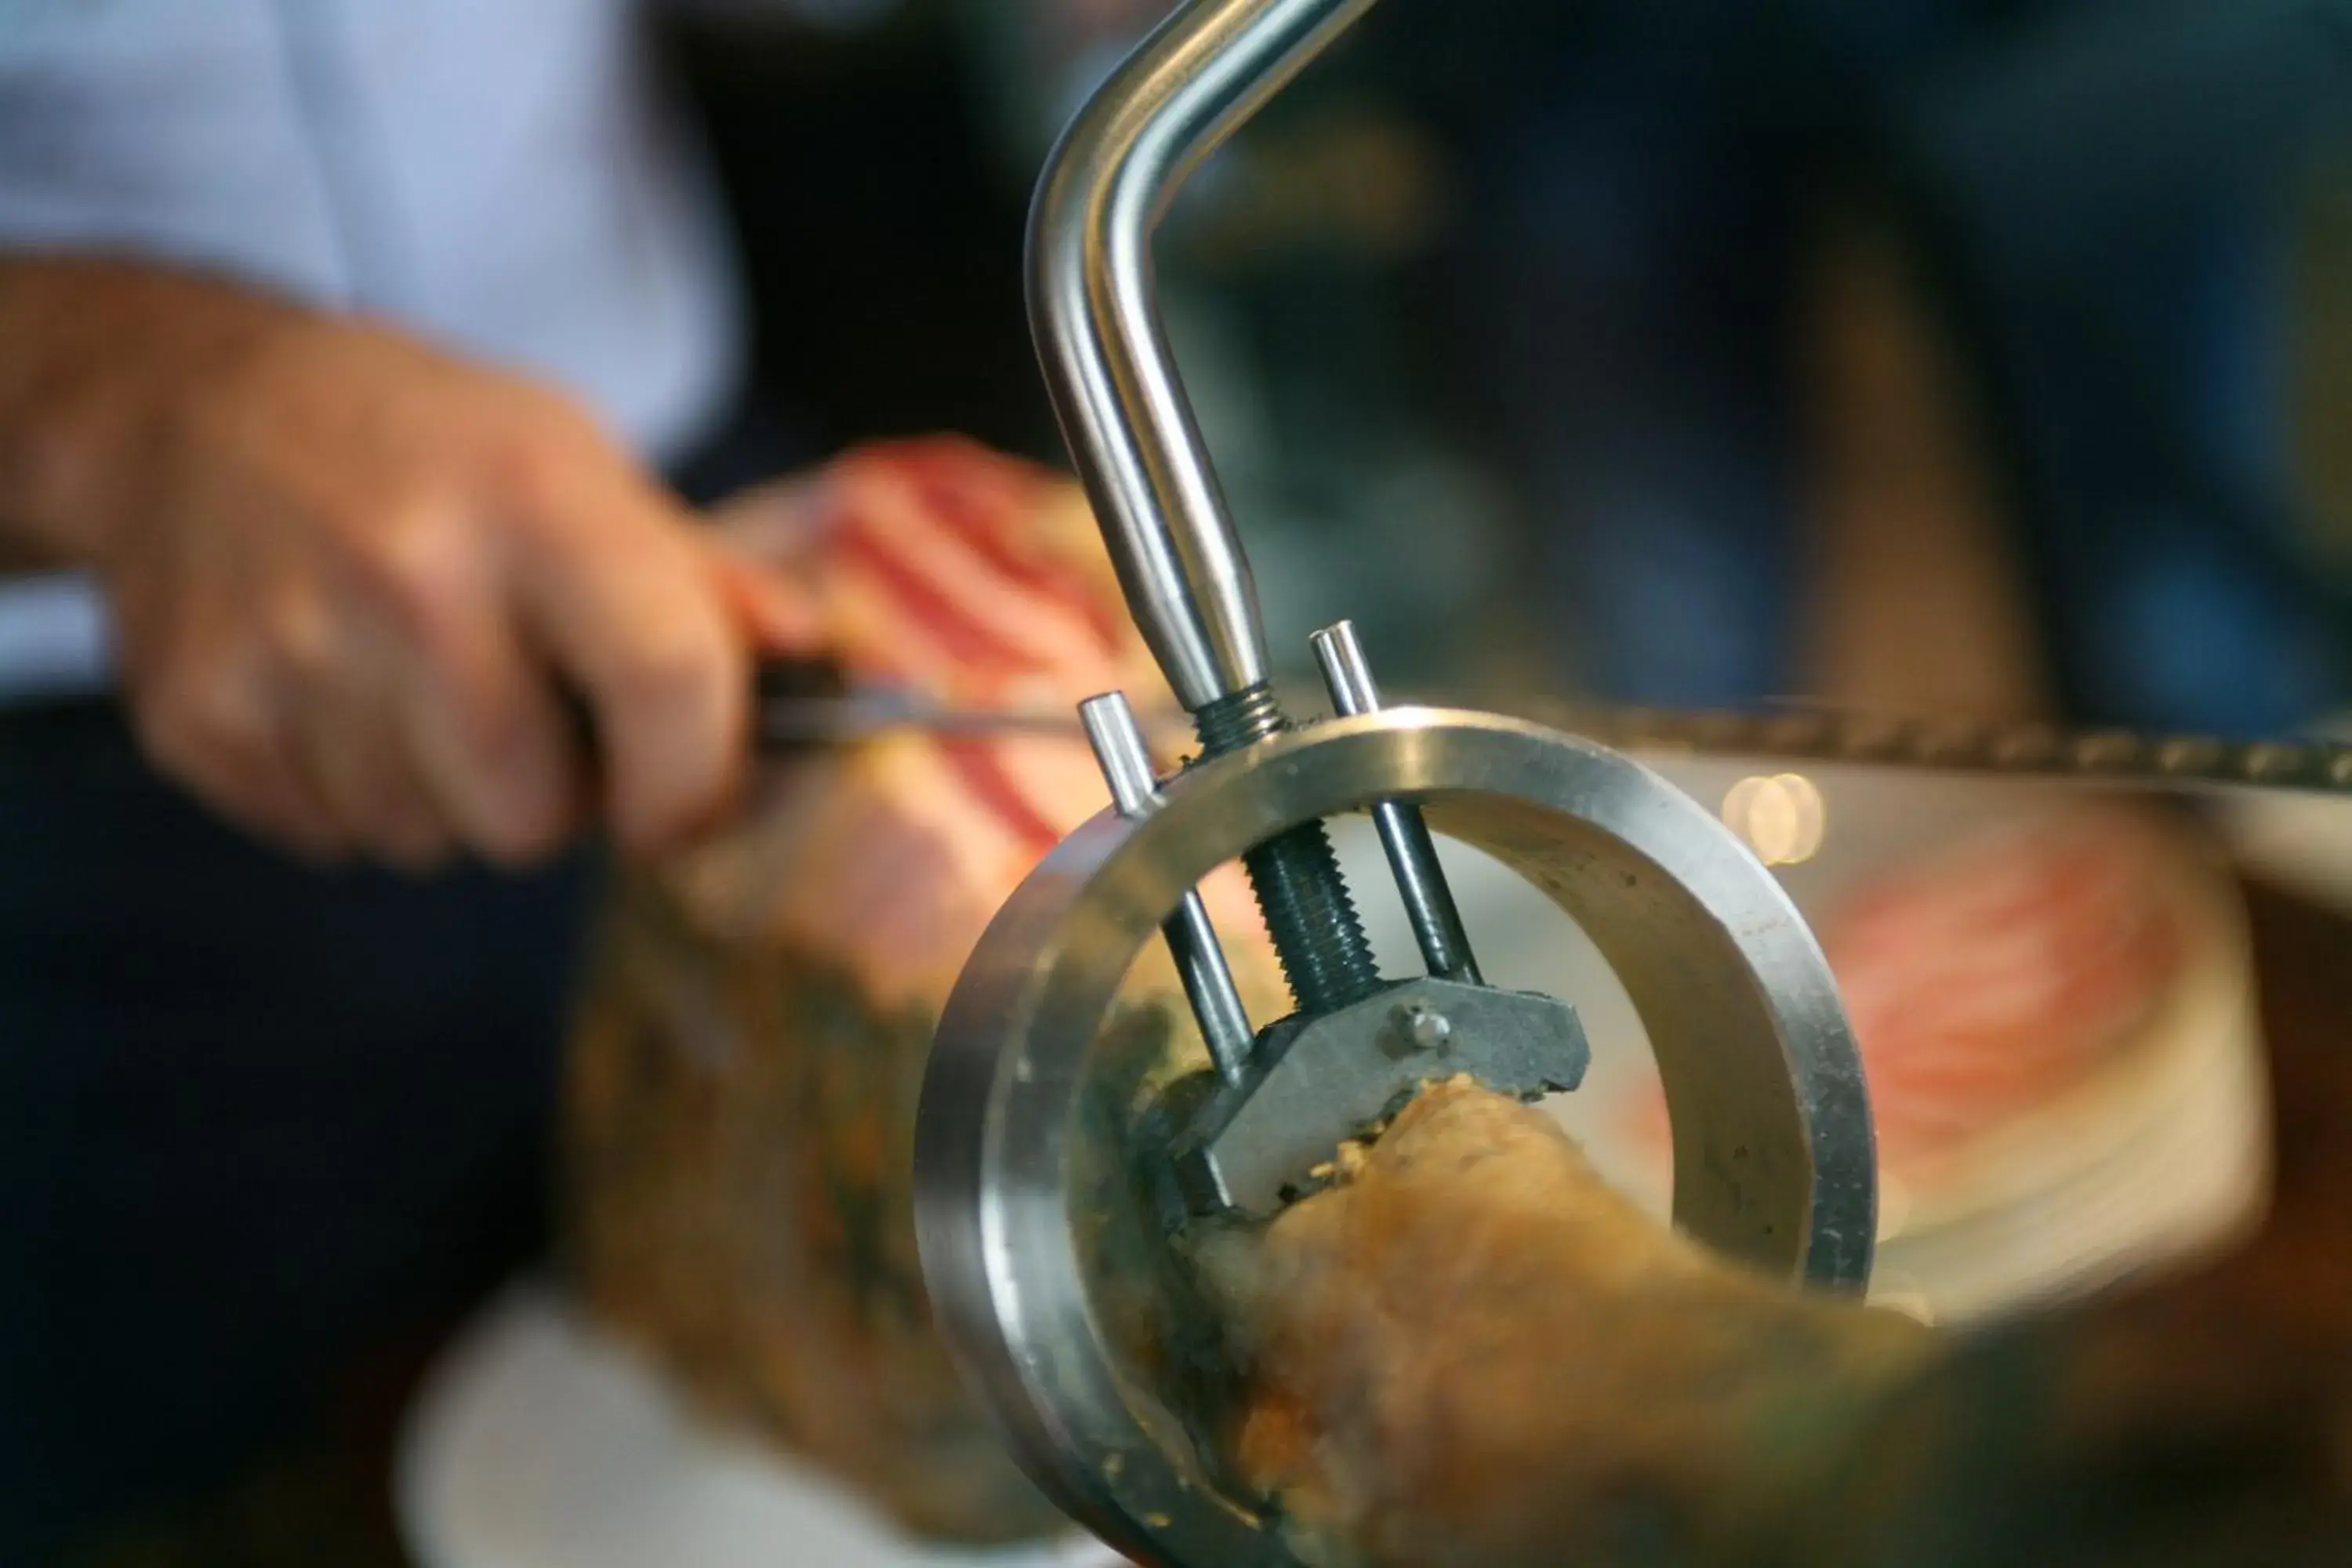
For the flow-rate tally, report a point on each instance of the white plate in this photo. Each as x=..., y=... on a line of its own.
x=2299, y=842
x=539, y=1443
x=2302, y=842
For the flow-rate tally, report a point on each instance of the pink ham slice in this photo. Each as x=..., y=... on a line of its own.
x=1985, y=982
x=981, y=581
x=739, y=1131
x=1993, y=982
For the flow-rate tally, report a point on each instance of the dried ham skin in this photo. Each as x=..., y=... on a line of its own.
x=1471, y=1351
x=739, y=1129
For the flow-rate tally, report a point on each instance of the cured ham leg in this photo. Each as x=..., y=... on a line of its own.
x=740, y=1125
x=1469, y=1351
x=1472, y=1352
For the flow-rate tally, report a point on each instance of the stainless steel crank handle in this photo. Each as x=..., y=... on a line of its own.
x=1092, y=308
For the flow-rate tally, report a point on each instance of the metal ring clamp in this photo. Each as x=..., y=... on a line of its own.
x=1018, y=1204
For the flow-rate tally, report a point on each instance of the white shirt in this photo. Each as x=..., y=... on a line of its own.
x=500, y=176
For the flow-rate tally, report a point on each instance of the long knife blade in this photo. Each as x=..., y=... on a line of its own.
x=791, y=721
x=802, y=702
x=809, y=703
x=2109, y=758
x=792, y=715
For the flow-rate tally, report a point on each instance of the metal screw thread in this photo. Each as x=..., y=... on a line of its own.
x=1295, y=876
x=1243, y=718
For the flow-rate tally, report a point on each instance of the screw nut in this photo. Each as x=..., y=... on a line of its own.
x=1424, y=1027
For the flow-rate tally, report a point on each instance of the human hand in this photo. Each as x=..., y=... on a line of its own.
x=355, y=580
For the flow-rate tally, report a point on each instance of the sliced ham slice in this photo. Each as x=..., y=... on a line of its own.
x=979, y=580
x=1990, y=982
x=1985, y=982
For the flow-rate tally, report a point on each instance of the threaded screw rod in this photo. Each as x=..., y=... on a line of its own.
x=1308, y=912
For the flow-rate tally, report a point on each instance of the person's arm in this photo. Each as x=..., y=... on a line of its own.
x=352, y=577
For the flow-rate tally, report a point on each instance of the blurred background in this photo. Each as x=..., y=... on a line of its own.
x=1970, y=355
x=1963, y=356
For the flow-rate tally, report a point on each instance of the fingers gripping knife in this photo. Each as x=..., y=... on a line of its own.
x=1057, y=1155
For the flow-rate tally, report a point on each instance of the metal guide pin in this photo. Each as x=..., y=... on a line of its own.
x=1126, y=760
x=1413, y=855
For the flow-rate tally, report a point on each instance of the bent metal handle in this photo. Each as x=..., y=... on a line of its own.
x=1092, y=309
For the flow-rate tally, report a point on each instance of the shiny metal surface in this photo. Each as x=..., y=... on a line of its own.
x=1121, y=751
x=1255, y=1144
x=1113, y=381
x=1018, y=1199
x=1429, y=905
x=1208, y=980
